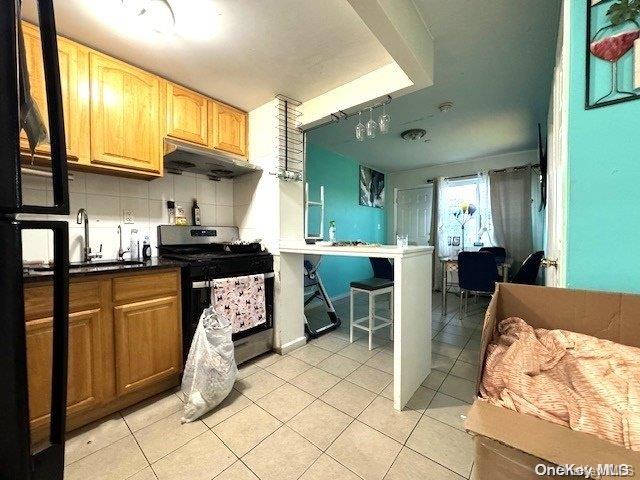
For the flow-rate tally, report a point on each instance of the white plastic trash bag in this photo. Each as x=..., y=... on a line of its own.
x=211, y=368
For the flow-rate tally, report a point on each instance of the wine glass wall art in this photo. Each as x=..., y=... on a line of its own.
x=613, y=40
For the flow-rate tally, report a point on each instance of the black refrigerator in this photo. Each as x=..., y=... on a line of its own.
x=18, y=459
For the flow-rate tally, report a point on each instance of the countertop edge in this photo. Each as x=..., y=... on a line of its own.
x=389, y=251
x=153, y=264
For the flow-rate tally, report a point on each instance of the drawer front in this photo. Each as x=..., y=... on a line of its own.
x=38, y=298
x=145, y=285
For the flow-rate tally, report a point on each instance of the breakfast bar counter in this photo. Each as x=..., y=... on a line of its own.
x=411, y=311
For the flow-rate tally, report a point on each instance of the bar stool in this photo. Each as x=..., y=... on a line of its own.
x=380, y=284
x=373, y=287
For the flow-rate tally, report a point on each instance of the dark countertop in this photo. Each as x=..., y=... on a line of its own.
x=98, y=267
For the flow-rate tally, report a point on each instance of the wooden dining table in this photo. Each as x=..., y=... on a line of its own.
x=450, y=264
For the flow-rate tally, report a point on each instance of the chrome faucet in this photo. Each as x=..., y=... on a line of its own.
x=87, y=256
x=121, y=251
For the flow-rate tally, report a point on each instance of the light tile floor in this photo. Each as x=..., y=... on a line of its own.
x=322, y=412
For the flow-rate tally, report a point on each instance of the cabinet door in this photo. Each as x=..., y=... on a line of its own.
x=186, y=114
x=227, y=129
x=147, y=341
x=125, y=126
x=85, y=375
x=69, y=56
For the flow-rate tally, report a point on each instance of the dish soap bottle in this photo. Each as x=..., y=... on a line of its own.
x=146, y=248
x=195, y=212
x=332, y=231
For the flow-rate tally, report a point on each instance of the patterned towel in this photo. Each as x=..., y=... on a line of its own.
x=241, y=300
x=582, y=382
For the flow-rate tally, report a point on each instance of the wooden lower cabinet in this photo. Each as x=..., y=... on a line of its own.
x=147, y=340
x=85, y=379
x=119, y=353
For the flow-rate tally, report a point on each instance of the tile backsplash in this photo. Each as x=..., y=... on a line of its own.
x=106, y=198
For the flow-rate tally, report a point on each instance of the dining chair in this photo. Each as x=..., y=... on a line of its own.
x=477, y=273
x=527, y=274
x=382, y=268
x=500, y=253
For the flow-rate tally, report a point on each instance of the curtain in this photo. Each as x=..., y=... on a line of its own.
x=537, y=215
x=433, y=238
x=537, y=219
x=442, y=249
x=510, y=193
x=485, y=223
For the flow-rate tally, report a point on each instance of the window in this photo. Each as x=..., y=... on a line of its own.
x=477, y=228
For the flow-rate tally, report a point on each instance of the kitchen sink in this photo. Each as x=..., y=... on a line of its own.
x=96, y=264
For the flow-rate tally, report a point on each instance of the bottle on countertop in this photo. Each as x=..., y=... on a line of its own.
x=134, y=245
x=332, y=231
x=181, y=218
x=171, y=208
x=146, y=248
x=195, y=213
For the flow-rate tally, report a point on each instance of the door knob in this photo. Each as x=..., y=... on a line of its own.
x=547, y=262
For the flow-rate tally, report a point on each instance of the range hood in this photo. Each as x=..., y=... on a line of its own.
x=186, y=157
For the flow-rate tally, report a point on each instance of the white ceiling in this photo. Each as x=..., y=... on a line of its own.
x=494, y=59
x=239, y=51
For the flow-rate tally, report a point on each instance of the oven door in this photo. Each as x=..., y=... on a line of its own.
x=201, y=299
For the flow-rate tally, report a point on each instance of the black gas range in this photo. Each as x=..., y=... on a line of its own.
x=208, y=253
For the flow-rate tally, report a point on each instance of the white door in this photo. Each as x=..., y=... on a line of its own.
x=557, y=160
x=413, y=207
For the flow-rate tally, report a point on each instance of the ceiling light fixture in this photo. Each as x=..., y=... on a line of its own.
x=158, y=14
x=445, y=107
x=413, y=134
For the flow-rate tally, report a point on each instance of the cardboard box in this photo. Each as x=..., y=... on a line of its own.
x=509, y=445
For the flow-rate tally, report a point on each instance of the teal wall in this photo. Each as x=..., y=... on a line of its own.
x=603, y=211
x=339, y=175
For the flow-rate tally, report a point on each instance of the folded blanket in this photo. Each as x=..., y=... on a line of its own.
x=585, y=383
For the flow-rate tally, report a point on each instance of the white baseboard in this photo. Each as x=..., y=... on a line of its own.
x=292, y=345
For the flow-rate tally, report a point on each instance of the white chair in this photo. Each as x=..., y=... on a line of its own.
x=373, y=288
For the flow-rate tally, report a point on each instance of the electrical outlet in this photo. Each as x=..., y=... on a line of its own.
x=128, y=216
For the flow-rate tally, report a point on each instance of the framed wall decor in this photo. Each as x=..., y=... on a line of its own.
x=613, y=52
x=371, y=187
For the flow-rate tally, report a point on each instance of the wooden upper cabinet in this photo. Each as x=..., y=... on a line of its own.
x=186, y=115
x=86, y=374
x=74, y=85
x=125, y=120
x=227, y=128
x=147, y=342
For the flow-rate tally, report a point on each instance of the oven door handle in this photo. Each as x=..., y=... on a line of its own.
x=207, y=283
